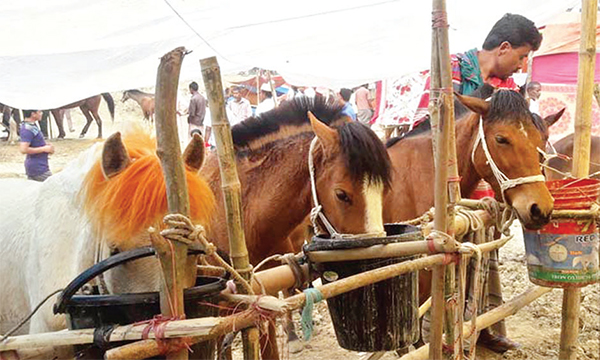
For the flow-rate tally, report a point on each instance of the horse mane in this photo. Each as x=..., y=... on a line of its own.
x=363, y=154
x=291, y=117
x=460, y=112
x=121, y=207
x=139, y=92
x=508, y=104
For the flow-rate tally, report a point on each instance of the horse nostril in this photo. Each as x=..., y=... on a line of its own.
x=537, y=215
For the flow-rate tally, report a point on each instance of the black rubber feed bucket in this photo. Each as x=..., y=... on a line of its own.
x=382, y=316
x=103, y=311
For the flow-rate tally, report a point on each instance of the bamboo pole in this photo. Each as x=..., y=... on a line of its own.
x=230, y=185
x=491, y=317
x=202, y=329
x=581, y=157
x=169, y=152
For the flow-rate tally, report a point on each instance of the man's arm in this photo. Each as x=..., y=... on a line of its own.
x=24, y=148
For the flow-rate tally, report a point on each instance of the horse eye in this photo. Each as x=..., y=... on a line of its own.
x=502, y=140
x=342, y=196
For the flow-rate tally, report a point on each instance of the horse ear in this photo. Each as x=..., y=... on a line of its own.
x=551, y=119
x=327, y=135
x=474, y=104
x=193, y=156
x=114, y=156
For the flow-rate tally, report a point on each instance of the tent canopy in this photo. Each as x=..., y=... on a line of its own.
x=58, y=51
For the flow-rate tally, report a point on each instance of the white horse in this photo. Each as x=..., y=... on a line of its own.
x=52, y=231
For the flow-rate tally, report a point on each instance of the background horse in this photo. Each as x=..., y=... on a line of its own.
x=352, y=170
x=565, y=146
x=144, y=100
x=11, y=127
x=89, y=107
x=106, y=199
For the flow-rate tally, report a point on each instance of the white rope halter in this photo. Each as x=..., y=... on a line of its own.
x=317, y=211
x=503, y=180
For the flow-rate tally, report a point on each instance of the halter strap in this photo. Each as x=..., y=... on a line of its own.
x=317, y=211
x=503, y=180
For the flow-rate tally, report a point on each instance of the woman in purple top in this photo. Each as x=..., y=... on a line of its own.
x=33, y=144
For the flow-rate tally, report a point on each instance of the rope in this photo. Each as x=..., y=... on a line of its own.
x=183, y=230
x=503, y=180
x=26, y=319
x=502, y=218
x=313, y=296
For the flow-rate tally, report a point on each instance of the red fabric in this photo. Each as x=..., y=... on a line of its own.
x=559, y=69
x=482, y=190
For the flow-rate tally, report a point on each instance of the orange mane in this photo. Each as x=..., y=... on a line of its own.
x=131, y=201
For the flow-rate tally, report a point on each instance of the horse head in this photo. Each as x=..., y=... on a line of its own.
x=506, y=154
x=352, y=170
x=124, y=194
x=126, y=96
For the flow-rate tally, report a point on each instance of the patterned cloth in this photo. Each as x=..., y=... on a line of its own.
x=398, y=99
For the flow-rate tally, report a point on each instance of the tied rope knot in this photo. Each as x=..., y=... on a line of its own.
x=158, y=326
x=182, y=229
x=438, y=237
x=502, y=218
x=313, y=296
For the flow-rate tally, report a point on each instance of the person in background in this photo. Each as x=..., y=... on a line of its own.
x=238, y=109
x=348, y=110
x=35, y=147
x=268, y=103
x=534, y=91
x=197, y=112
x=503, y=53
x=363, y=104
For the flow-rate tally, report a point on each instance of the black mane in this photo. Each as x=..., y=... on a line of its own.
x=364, y=153
x=293, y=112
x=508, y=104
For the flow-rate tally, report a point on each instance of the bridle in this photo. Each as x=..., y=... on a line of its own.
x=503, y=180
x=316, y=212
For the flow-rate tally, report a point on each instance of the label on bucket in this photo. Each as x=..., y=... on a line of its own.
x=563, y=254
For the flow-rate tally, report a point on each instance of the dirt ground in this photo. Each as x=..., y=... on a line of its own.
x=536, y=327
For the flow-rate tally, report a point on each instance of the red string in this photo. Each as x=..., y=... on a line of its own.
x=439, y=19
x=431, y=246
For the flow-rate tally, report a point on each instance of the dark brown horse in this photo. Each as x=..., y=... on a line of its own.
x=564, y=163
x=513, y=139
x=351, y=169
x=89, y=107
x=144, y=100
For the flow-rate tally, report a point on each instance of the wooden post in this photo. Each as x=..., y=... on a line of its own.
x=581, y=157
x=169, y=152
x=273, y=91
x=230, y=184
x=441, y=110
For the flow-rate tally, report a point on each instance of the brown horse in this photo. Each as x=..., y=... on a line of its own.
x=89, y=107
x=563, y=164
x=144, y=100
x=513, y=139
x=351, y=171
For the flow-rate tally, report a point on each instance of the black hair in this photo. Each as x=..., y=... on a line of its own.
x=28, y=113
x=516, y=29
x=345, y=94
x=532, y=84
x=194, y=86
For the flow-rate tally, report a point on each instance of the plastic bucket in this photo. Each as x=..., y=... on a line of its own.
x=563, y=254
x=379, y=317
x=574, y=193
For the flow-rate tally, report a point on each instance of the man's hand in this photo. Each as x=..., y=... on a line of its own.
x=49, y=148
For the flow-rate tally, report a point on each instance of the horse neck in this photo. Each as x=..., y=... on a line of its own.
x=276, y=197
x=137, y=96
x=466, y=133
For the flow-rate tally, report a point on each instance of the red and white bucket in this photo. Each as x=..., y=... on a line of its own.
x=565, y=253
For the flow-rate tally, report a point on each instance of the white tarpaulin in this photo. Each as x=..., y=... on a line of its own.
x=58, y=51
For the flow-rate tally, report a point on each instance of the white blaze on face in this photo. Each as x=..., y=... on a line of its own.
x=373, y=192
